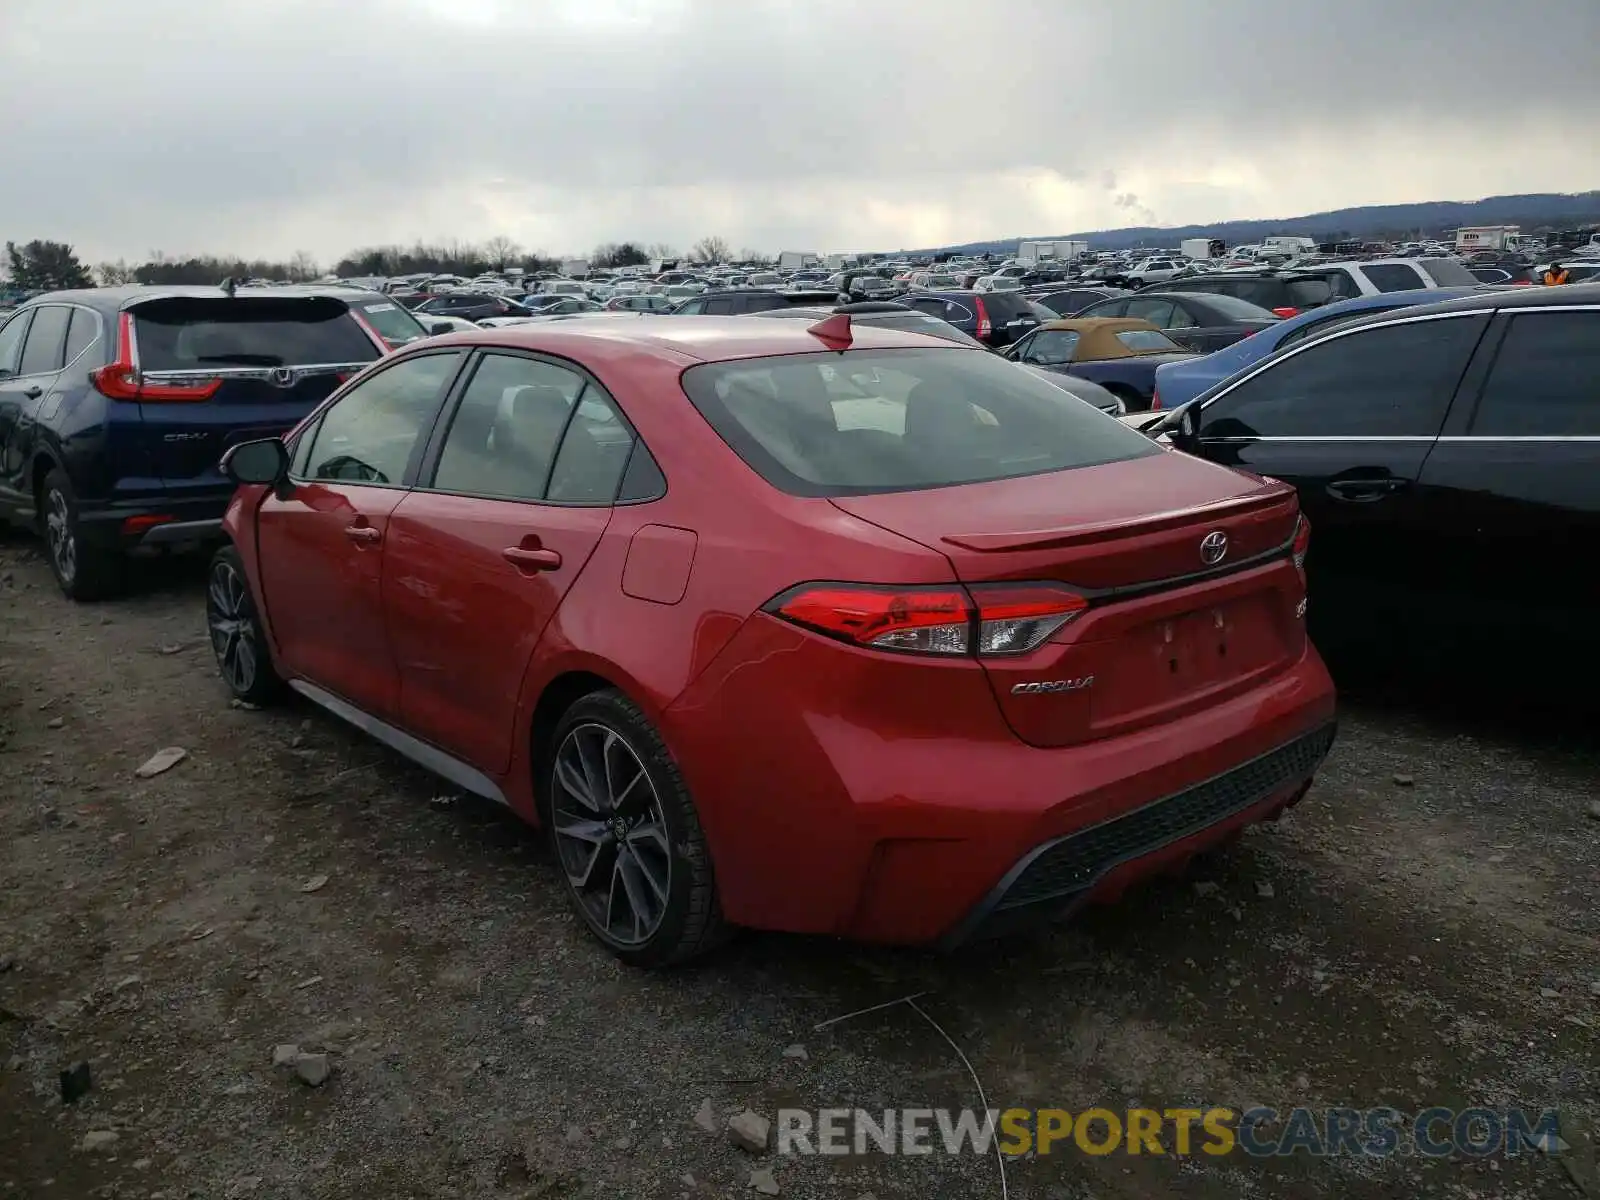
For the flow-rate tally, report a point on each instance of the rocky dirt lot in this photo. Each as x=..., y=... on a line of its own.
x=1422, y=930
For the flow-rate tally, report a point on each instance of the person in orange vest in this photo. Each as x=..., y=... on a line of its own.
x=1555, y=274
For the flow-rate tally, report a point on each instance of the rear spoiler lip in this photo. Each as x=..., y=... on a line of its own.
x=1049, y=539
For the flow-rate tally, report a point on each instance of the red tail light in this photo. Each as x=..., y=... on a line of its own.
x=988, y=620
x=1302, y=542
x=120, y=380
x=1155, y=398
x=1286, y=311
x=985, y=326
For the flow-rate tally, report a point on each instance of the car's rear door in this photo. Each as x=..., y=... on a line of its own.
x=214, y=371
x=515, y=494
x=1349, y=420
x=322, y=537
x=13, y=393
x=1512, y=490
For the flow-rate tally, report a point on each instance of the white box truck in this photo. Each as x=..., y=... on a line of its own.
x=1196, y=247
x=1062, y=252
x=797, y=260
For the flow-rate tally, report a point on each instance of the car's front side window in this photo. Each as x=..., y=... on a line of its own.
x=370, y=433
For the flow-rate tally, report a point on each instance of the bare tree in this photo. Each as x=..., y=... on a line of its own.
x=660, y=250
x=302, y=268
x=757, y=257
x=711, y=250
x=501, y=252
x=114, y=274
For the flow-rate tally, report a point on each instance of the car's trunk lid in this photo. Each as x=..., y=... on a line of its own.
x=1170, y=627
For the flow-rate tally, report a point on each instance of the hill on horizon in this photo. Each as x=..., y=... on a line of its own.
x=1534, y=212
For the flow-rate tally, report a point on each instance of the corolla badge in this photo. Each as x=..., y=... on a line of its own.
x=1213, y=547
x=1049, y=686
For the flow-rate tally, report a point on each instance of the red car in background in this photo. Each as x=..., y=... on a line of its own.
x=805, y=627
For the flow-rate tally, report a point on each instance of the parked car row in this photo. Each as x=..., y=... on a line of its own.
x=823, y=617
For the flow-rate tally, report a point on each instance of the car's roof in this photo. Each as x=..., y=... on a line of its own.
x=680, y=339
x=117, y=298
x=1097, y=337
x=1490, y=299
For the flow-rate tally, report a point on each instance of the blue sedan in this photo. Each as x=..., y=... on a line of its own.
x=1179, y=382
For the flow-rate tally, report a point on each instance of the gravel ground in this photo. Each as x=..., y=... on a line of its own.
x=1422, y=930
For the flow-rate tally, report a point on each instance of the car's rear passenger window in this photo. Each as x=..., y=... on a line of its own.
x=81, y=333
x=503, y=438
x=46, y=340
x=527, y=429
x=594, y=453
x=1546, y=379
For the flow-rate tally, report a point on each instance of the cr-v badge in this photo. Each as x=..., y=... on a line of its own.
x=1053, y=685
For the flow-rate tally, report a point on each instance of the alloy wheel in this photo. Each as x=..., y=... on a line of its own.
x=610, y=835
x=233, y=628
x=58, y=533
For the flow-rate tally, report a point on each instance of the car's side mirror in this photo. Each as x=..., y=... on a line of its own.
x=439, y=327
x=262, y=461
x=1181, y=426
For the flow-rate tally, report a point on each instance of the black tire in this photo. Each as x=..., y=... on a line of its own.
x=1131, y=400
x=244, y=657
x=82, y=572
x=651, y=832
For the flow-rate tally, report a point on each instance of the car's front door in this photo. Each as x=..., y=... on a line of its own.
x=513, y=500
x=322, y=537
x=1349, y=420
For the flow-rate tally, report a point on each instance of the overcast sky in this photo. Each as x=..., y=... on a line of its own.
x=263, y=127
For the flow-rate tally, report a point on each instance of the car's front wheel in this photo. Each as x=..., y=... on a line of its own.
x=627, y=837
x=237, y=639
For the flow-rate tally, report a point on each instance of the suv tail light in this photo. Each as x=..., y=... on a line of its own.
x=120, y=380
x=1286, y=311
x=1155, y=398
x=985, y=326
x=986, y=621
x=1302, y=542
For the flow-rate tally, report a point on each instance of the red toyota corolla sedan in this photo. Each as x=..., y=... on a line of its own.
x=785, y=625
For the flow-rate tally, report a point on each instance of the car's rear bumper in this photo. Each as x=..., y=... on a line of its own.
x=1055, y=878
x=154, y=525
x=857, y=805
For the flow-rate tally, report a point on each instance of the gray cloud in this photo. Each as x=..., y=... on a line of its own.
x=286, y=124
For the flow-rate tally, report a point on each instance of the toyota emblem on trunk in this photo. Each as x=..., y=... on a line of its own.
x=1213, y=547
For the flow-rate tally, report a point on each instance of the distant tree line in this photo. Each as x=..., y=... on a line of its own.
x=49, y=266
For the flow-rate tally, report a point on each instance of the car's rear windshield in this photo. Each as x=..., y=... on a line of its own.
x=1309, y=291
x=1007, y=306
x=1236, y=309
x=1147, y=341
x=1446, y=272
x=870, y=421
x=393, y=323
x=195, y=333
x=915, y=322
